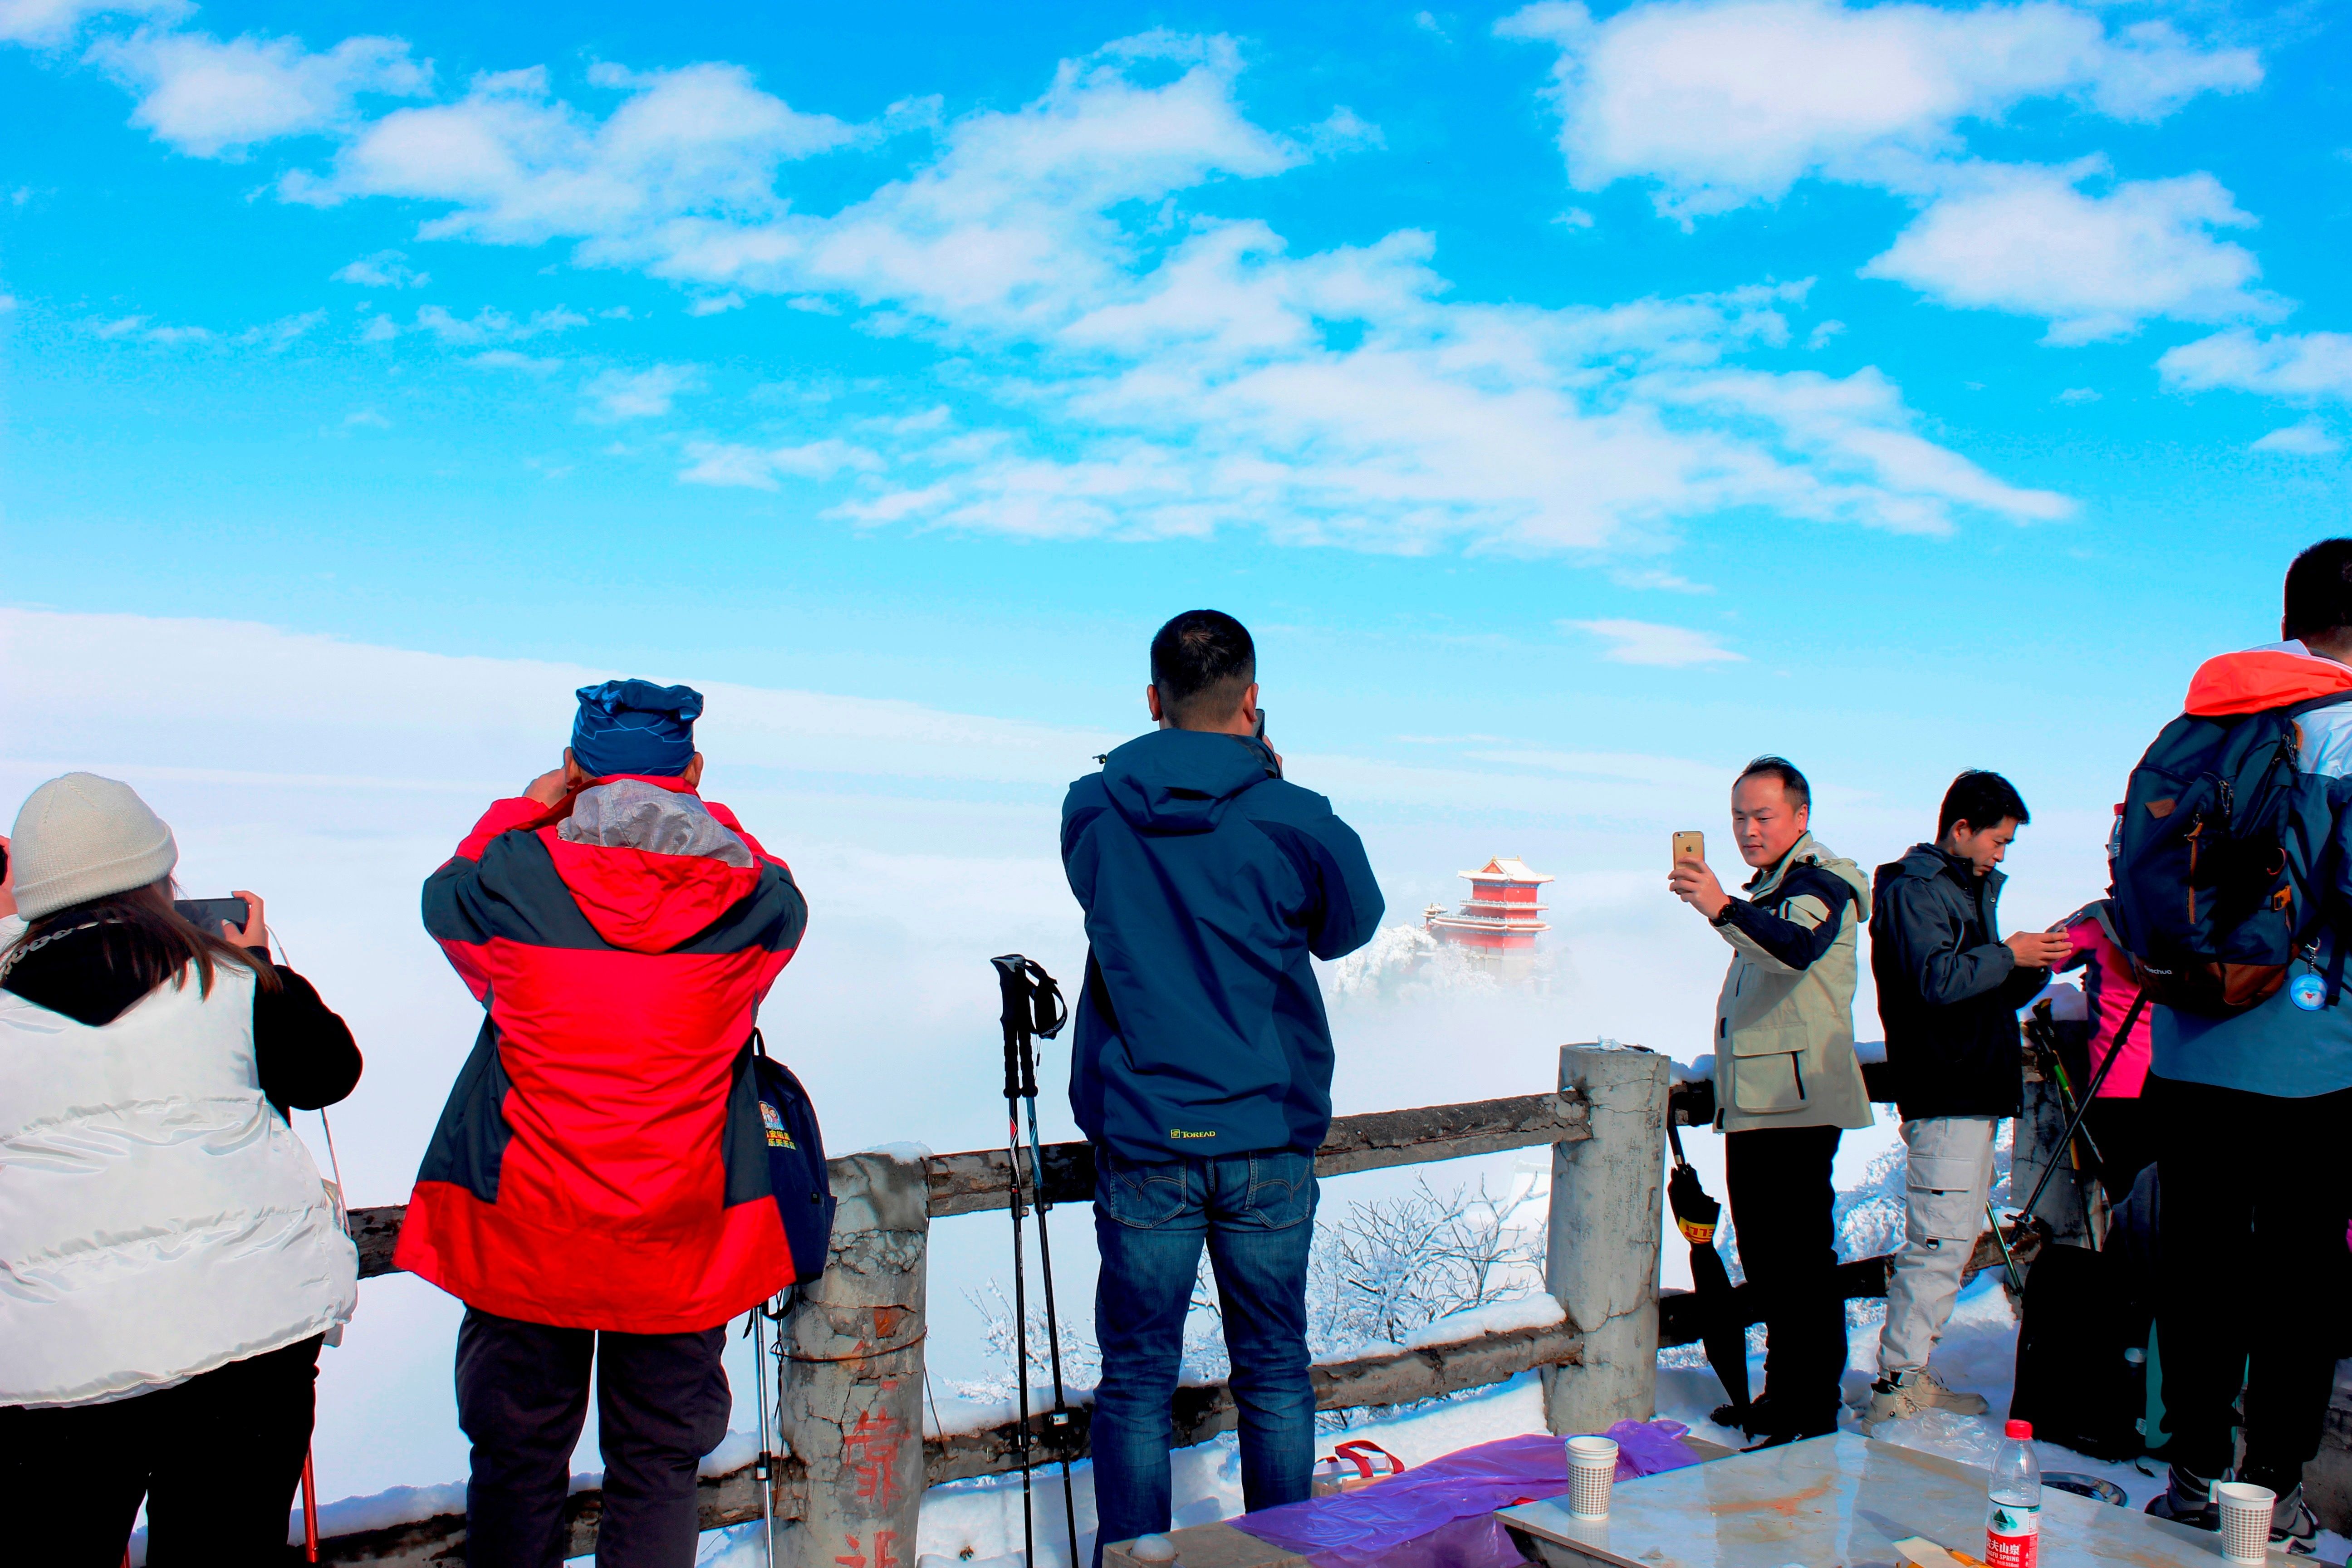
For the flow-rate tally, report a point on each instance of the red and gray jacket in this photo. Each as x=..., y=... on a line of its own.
x=600, y=1164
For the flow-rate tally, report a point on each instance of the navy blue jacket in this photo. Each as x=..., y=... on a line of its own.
x=1207, y=881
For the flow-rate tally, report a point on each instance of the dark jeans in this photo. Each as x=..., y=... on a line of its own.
x=662, y=1403
x=2251, y=1244
x=217, y=1459
x=1255, y=1212
x=1778, y=1181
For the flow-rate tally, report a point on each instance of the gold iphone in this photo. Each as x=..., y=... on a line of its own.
x=1690, y=846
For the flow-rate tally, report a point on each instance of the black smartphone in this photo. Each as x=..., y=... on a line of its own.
x=1261, y=723
x=206, y=914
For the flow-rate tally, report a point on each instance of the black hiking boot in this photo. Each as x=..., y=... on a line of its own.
x=2186, y=1498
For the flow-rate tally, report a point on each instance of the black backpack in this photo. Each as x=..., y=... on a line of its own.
x=2074, y=1382
x=2216, y=856
x=795, y=1162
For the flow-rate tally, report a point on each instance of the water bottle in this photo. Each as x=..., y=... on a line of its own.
x=2013, y=1519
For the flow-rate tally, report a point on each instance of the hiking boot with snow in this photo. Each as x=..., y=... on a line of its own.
x=2294, y=1527
x=1915, y=1393
x=2188, y=1499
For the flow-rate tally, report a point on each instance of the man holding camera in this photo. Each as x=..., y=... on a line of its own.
x=1201, y=1069
x=1786, y=1081
x=1948, y=990
x=586, y=1192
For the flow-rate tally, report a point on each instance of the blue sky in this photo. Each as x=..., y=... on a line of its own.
x=1575, y=402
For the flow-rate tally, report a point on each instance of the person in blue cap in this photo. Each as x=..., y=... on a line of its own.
x=586, y=1193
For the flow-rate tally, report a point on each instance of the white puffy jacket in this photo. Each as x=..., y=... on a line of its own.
x=157, y=1218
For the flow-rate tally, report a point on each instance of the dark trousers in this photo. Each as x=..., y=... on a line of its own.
x=2121, y=1129
x=662, y=1403
x=2250, y=1275
x=217, y=1458
x=1778, y=1180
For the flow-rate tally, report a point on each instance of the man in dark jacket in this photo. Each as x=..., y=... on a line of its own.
x=1948, y=991
x=1201, y=1072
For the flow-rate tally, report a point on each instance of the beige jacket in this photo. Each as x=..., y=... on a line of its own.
x=1784, y=1038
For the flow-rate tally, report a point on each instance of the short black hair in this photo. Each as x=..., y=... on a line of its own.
x=2319, y=590
x=1202, y=658
x=1794, y=787
x=1982, y=799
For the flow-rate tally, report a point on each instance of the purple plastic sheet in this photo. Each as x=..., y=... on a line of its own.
x=1442, y=1514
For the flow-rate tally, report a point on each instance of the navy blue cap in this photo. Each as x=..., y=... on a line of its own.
x=635, y=726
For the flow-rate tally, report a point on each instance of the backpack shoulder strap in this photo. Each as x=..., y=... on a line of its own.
x=2297, y=710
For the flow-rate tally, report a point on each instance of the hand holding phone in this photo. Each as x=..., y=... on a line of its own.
x=1691, y=881
x=237, y=920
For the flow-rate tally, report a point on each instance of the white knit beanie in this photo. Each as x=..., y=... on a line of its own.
x=82, y=837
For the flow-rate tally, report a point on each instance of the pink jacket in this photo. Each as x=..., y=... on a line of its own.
x=2108, y=985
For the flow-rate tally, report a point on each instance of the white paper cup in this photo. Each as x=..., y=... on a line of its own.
x=2245, y=1520
x=1593, y=1470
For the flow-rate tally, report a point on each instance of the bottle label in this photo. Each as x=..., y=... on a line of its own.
x=2012, y=1537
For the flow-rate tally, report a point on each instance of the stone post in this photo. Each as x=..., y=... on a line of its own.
x=1601, y=1262
x=852, y=1401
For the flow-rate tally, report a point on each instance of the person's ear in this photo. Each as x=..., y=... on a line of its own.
x=574, y=775
x=1803, y=815
x=693, y=774
x=1249, y=706
x=1151, y=702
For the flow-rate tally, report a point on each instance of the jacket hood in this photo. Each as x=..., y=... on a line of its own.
x=1927, y=862
x=1811, y=849
x=2262, y=678
x=1182, y=781
x=650, y=899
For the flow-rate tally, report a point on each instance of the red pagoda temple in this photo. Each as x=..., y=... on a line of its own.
x=1499, y=915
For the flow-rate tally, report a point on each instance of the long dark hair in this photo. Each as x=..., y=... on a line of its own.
x=140, y=936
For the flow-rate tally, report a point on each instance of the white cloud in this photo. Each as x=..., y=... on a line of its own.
x=366, y=416
x=2078, y=395
x=140, y=328
x=1344, y=130
x=1648, y=642
x=714, y=304
x=2029, y=240
x=2308, y=440
x=1156, y=371
x=520, y=167
x=283, y=332
x=733, y=463
x=487, y=325
x=1658, y=578
x=2297, y=366
x=1725, y=102
x=507, y=359
x=384, y=269
x=42, y=22
x=617, y=394
x=214, y=98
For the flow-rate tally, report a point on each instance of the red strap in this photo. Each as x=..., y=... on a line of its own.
x=1357, y=1454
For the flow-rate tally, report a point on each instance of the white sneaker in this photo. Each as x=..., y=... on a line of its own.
x=1913, y=1393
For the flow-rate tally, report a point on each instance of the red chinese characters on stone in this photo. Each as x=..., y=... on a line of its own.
x=872, y=1447
x=884, y=1553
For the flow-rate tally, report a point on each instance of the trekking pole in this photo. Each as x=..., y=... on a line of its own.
x=2037, y=1029
x=1013, y=1054
x=761, y=1464
x=310, y=1509
x=2098, y=1077
x=2016, y=1280
x=1034, y=1007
